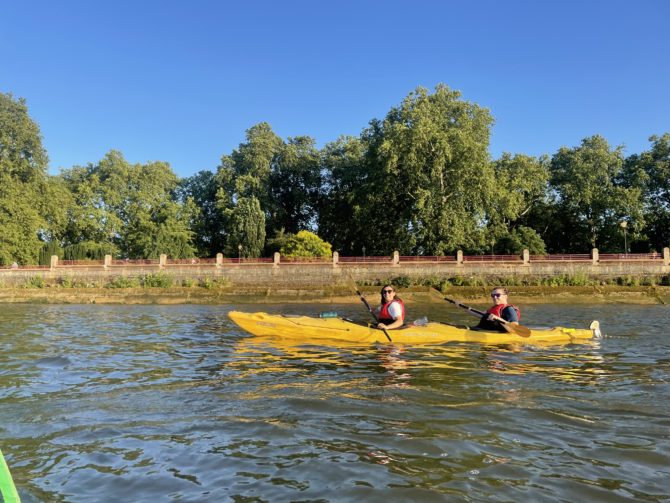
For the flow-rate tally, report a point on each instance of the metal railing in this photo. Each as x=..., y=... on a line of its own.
x=353, y=260
x=492, y=258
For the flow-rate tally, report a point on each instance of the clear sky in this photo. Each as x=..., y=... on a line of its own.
x=181, y=81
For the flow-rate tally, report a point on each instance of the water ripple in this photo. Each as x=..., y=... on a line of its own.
x=150, y=403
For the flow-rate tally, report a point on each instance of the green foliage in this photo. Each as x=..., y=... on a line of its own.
x=23, y=163
x=401, y=282
x=207, y=224
x=48, y=250
x=134, y=207
x=246, y=228
x=35, y=282
x=650, y=172
x=22, y=156
x=518, y=240
x=67, y=282
x=157, y=280
x=591, y=200
x=208, y=282
x=123, y=282
x=339, y=208
x=305, y=244
x=88, y=250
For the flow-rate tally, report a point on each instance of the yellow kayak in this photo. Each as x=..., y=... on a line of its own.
x=314, y=329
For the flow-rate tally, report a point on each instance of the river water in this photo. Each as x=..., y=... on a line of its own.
x=174, y=403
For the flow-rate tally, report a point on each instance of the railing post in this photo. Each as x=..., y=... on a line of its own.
x=396, y=258
x=162, y=260
x=336, y=259
x=275, y=261
x=108, y=262
x=459, y=257
x=526, y=257
x=666, y=256
x=595, y=256
x=219, y=260
x=54, y=262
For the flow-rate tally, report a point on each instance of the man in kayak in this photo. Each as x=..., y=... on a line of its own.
x=391, y=312
x=502, y=309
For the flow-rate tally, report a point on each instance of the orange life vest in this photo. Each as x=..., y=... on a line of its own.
x=385, y=316
x=497, y=310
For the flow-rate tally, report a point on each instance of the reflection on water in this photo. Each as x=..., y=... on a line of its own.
x=147, y=403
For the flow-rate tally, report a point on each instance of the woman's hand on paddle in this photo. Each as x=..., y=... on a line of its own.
x=396, y=324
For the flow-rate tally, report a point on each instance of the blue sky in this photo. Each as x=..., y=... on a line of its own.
x=181, y=81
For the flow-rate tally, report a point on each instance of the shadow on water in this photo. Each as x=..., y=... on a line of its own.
x=154, y=403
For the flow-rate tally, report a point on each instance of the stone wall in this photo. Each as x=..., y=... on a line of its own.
x=277, y=274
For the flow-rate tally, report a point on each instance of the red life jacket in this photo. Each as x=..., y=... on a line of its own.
x=385, y=317
x=497, y=310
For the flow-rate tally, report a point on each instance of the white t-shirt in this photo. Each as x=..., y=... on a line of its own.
x=395, y=310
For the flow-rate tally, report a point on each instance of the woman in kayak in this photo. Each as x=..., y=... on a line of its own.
x=391, y=312
x=502, y=309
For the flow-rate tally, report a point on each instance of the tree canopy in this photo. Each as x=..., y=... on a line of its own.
x=420, y=180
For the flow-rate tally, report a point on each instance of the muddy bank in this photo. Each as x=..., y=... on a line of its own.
x=229, y=295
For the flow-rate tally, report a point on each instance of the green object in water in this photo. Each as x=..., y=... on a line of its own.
x=7, y=488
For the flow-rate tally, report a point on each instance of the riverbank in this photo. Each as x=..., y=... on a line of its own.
x=606, y=294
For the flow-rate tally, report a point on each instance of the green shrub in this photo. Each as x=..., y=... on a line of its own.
x=35, y=282
x=157, y=280
x=402, y=282
x=66, y=282
x=206, y=282
x=123, y=282
x=305, y=244
x=188, y=282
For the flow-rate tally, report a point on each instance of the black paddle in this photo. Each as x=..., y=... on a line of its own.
x=360, y=295
x=512, y=328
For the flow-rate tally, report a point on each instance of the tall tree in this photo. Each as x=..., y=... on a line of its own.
x=650, y=171
x=133, y=206
x=520, y=184
x=208, y=227
x=295, y=182
x=342, y=193
x=284, y=178
x=246, y=228
x=429, y=175
x=591, y=197
x=23, y=182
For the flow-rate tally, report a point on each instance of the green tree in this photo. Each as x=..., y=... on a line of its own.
x=429, y=175
x=208, y=226
x=591, y=198
x=650, y=172
x=132, y=206
x=23, y=183
x=520, y=184
x=519, y=239
x=295, y=183
x=283, y=177
x=246, y=228
x=342, y=195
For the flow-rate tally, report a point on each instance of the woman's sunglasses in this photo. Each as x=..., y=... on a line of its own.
x=497, y=295
x=387, y=291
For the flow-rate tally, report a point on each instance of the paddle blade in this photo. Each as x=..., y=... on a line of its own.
x=519, y=330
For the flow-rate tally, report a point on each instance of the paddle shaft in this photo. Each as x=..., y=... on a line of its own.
x=510, y=327
x=371, y=311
